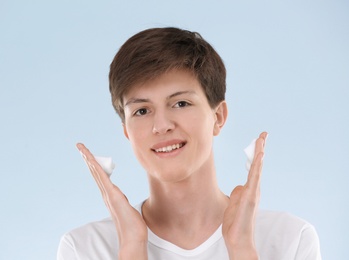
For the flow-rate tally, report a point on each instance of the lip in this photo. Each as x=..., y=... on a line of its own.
x=170, y=154
x=168, y=143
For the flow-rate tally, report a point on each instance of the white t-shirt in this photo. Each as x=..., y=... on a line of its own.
x=278, y=236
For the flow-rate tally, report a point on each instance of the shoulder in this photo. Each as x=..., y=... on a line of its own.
x=92, y=228
x=91, y=231
x=95, y=240
x=283, y=234
x=275, y=219
x=92, y=239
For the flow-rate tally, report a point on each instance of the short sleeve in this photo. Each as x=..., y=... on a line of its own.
x=66, y=249
x=309, y=245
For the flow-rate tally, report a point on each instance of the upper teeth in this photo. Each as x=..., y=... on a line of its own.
x=168, y=148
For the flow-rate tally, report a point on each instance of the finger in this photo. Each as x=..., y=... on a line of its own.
x=112, y=195
x=97, y=180
x=254, y=175
x=89, y=158
x=235, y=195
x=259, y=148
x=254, y=178
x=101, y=178
x=260, y=143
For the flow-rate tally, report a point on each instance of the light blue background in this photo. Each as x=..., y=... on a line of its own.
x=288, y=73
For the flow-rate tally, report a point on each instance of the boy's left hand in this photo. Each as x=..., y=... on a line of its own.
x=240, y=215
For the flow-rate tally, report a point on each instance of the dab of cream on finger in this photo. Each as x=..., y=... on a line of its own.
x=106, y=163
x=249, y=151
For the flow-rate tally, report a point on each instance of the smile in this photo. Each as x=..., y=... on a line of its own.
x=169, y=148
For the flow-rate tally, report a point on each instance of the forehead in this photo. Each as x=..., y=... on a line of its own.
x=165, y=84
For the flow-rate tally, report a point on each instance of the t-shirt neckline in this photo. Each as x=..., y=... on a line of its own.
x=166, y=245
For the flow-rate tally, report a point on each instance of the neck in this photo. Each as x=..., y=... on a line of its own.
x=182, y=208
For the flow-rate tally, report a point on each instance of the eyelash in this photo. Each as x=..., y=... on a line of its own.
x=177, y=105
x=138, y=114
x=183, y=102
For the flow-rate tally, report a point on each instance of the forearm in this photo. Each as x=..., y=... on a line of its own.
x=139, y=252
x=244, y=256
x=241, y=251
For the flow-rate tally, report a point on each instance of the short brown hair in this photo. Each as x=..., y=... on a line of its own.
x=152, y=52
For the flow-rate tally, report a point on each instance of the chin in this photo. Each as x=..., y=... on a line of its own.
x=170, y=176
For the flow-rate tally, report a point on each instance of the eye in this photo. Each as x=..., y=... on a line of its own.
x=181, y=104
x=141, y=112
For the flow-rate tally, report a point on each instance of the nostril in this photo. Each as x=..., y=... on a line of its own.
x=163, y=129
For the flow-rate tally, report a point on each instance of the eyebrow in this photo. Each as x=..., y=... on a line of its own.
x=136, y=100
x=191, y=92
x=146, y=100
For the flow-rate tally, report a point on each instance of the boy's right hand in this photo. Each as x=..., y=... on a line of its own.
x=131, y=228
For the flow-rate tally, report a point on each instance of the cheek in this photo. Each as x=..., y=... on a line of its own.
x=201, y=130
x=137, y=129
x=137, y=139
x=138, y=136
x=203, y=125
x=139, y=149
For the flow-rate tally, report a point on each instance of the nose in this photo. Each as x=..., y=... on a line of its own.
x=162, y=123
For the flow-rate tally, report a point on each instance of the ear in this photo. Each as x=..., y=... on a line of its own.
x=125, y=130
x=221, y=115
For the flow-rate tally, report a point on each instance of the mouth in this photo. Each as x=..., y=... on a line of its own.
x=169, y=148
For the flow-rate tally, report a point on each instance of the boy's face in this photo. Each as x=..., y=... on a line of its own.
x=171, y=126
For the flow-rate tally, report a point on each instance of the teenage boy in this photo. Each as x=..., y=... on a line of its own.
x=168, y=87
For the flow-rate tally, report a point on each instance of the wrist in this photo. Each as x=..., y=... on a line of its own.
x=242, y=252
x=133, y=251
x=250, y=254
